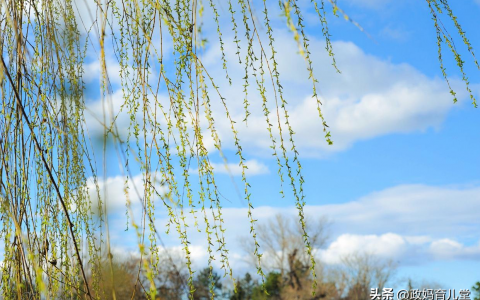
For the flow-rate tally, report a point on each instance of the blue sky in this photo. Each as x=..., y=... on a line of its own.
x=402, y=178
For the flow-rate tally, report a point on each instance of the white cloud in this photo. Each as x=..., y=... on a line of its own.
x=254, y=167
x=397, y=248
x=450, y=249
x=94, y=116
x=93, y=71
x=387, y=246
x=410, y=224
x=118, y=119
x=370, y=98
x=117, y=192
x=420, y=214
x=412, y=210
x=446, y=248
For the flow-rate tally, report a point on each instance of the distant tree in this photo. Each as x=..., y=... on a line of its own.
x=283, y=254
x=273, y=288
x=172, y=276
x=476, y=291
x=359, y=273
x=245, y=288
x=207, y=285
x=413, y=286
x=118, y=279
x=288, y=264
x=282, y=240
x=171, y=101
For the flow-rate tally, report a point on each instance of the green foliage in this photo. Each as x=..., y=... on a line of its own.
x=437, y=8
x=245, y=288
x=249, y=289
x=476, y=291
x=53, y=240
x=207, y=285
x=272, y=287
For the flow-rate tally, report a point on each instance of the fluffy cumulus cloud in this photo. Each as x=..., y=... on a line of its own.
x=386, y=245
x=450, y=249
x=410, y=224
x=254, y=167
x=116, y=192
x=370, y=98
x=412, y=210
x=93, y=71
x=109, y=109
x=401, y=249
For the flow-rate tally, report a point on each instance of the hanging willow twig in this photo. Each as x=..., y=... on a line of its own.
x=160, y=117
x=40, y=151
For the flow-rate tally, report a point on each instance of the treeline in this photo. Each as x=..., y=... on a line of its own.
x=285, y=262
x=287, y=268
x=348, y=282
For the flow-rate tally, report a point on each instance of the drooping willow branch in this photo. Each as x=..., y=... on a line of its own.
x=40, y=152
x=160, y=115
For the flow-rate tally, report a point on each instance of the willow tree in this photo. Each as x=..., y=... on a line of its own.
x=52, y=241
